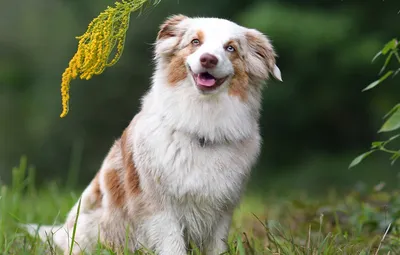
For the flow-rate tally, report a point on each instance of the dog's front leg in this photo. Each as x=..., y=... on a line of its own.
x=219, y=241
x=165, y=234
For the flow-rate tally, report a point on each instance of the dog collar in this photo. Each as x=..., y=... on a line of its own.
x=202, y=142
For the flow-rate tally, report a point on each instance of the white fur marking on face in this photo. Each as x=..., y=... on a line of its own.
x=213, y=43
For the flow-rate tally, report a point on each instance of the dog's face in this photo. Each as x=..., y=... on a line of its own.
x=214, y=55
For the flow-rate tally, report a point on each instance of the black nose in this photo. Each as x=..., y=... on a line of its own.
x=208, y=61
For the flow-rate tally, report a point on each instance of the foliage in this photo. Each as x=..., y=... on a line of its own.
x=362, y=222
x=104, y=33
x=392, y=123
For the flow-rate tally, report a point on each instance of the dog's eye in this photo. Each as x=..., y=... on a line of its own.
x=230, y=48
x=196, y=42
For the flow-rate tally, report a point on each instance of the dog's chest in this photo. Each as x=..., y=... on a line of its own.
x=190, y=172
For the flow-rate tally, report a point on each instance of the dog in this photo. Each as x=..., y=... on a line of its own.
x=179, y=169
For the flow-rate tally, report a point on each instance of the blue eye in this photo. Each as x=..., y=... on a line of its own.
x=230, y=48
x=195, y=41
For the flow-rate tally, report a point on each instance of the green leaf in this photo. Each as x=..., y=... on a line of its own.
x=372, y=85
x=75, y=224
x=395, y=157
x=397, y=106
x=392, y=123
x=388, y=58
x=240, y=247
x=392, y=138
x=391, y=45
x=358, y=159
x=377, y=144
x=396, y=72
x=376, y=56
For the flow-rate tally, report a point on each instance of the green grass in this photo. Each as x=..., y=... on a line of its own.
x=353, y=224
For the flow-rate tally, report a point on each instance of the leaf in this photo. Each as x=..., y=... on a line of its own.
x=388, y=58
x=358, y=159
x=240, y=247
x=392, y=123
x=395, y=157
x=397, y=106
x=372, y=85
x=396, y=72
x=392, y=138
x=376, y=56
x=74, y=229
x=377, y=144
x=391, y=45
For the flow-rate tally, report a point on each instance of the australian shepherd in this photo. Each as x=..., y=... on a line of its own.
x=178, y=171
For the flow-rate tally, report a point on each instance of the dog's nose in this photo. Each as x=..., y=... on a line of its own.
x=208, y=61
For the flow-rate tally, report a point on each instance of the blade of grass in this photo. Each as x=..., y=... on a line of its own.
x=75, y=225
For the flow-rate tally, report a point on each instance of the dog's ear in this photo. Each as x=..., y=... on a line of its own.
x=170, y=27
x=261, y=60
x=170, y=34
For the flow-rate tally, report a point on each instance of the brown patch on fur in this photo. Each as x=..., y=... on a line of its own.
x=176, y=68
x=168, y=28
x=132, y=182
x=97, y=191
x=234, y=44
x=200, y=36
x=239, y=85
x=262, y=50
x=115, y=187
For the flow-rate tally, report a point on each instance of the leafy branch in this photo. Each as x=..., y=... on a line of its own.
x=392, y=123
x=104, y=36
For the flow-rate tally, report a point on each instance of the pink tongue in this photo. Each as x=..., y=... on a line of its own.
x=206, y=81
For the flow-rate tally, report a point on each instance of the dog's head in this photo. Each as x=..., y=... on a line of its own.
x=214, y=55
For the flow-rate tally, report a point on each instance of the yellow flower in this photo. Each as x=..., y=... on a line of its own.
x=104, y=33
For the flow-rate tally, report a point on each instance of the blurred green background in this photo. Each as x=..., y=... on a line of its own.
x=313, y=124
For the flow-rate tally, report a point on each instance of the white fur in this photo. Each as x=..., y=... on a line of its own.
x=213, y=44
x=188, y=191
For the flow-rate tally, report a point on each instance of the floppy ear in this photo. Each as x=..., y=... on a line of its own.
x=261, y=60
x=169, y=35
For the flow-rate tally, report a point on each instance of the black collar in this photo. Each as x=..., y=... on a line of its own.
x=202, y=141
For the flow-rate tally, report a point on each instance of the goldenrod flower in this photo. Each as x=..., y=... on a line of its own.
x=104, y=34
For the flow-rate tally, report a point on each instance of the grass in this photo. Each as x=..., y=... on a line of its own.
x=361, y=222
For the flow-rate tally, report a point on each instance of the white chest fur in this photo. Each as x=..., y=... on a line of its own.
x=179, y=167
x=198, y=184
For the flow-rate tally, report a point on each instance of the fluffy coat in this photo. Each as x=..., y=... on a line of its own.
x=178, y=171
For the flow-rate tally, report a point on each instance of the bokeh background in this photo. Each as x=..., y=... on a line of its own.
x=313, y=124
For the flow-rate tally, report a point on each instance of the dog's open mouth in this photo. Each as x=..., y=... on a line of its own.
x=205, y=81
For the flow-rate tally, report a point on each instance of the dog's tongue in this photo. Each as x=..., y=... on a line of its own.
x=206, y=80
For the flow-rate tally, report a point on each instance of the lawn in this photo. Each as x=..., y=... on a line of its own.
x=361, y=222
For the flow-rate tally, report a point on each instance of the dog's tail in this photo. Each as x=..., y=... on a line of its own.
x=54, y=235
